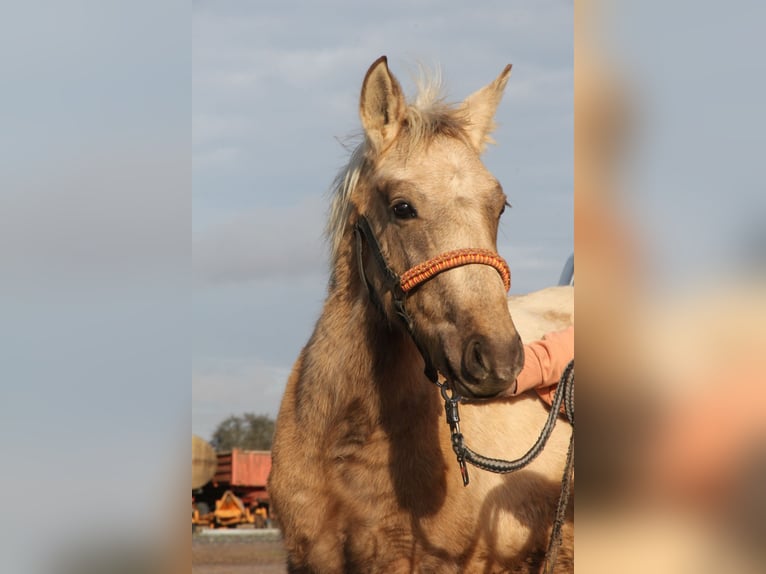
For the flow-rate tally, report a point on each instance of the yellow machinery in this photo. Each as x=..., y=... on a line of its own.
x=230, y=511
x=228, y=489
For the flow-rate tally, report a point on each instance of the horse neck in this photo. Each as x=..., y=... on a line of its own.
x=361, y=388
x=366, y=358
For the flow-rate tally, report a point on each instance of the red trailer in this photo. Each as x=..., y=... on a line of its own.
x=245, y=472
x=237, y=492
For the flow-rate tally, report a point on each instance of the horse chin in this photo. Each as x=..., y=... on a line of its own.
x=474, y=394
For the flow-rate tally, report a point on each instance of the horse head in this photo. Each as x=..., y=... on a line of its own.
x=420, y=191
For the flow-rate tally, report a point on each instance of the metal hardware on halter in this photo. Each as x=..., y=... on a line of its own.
x=453, y=420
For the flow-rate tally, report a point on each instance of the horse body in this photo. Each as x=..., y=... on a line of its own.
x=364, y=478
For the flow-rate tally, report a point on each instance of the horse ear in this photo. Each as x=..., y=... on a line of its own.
x=381, y=106
x=480, y=109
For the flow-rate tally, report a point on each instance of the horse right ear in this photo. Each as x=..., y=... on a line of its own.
x=381, y=107
x=480, y=110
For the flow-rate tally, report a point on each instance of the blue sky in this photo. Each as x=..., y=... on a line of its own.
x=275, y=95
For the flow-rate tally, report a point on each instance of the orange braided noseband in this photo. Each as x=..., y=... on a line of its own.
x=428, y=269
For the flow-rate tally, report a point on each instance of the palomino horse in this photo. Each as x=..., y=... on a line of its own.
x=364, y=478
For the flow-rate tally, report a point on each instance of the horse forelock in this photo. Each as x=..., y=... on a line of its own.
x=428, y=116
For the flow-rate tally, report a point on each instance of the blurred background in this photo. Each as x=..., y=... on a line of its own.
x=95, y=223
x=669, y=220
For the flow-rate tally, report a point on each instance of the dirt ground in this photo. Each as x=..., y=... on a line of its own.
x=238, y=554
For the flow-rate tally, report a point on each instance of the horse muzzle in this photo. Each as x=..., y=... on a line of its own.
x=487, y=365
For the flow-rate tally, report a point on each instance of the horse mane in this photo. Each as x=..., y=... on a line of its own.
x=427, y=117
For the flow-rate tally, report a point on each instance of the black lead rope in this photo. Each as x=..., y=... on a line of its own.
x=564, y=395
x=554, y=543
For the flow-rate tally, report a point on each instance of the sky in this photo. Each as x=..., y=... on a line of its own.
x=275, y=97
x=95, y=222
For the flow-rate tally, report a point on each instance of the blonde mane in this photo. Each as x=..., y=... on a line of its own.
x=427, y=117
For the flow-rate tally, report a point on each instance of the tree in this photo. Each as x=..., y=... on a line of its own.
x=248, y=432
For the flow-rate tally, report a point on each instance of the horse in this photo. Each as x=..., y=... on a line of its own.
x=364, y=478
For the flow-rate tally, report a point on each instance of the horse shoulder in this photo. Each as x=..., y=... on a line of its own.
x=298, y=492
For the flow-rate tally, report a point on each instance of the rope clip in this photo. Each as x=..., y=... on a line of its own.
x=452, y=411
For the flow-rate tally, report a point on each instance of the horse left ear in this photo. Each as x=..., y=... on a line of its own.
x=382, y=106
x=480, y=108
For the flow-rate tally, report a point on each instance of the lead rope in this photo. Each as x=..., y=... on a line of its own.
x=554, y=543
x=564, y=395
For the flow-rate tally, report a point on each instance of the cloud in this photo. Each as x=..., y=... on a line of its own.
x=263, y=242
x=253, y=63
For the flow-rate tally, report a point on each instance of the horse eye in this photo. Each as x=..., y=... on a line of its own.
x=404, y=210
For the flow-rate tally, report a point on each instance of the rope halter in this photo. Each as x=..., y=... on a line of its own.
x=424, y=271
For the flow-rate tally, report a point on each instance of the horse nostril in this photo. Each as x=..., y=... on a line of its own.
x=477, y=355
x=490, y=365
x=475, y=363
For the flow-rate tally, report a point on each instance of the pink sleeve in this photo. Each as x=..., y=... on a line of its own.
x=545, y=360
